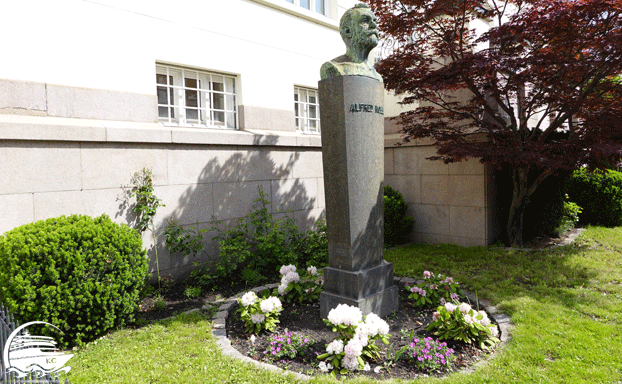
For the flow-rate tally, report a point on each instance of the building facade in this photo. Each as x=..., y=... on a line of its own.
x=217, y=98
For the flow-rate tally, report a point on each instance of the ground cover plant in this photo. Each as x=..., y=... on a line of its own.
x=566, y=304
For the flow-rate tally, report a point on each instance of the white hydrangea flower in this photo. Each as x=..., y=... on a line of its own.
x=335, y=347
x=282, y=288
x=323, y=367
x=258, y=318
x=312, y=270
x=345, y=314
x=465, y=307
x=270, y=304
x=361, y=337
x=249, y=298
x=286, y=269
x=350, y=363
x=290, y=277
x=469, y=319
x=485, y=321
x=353, y=349
x=366, y=368
x=450, y=307
x=376, y=325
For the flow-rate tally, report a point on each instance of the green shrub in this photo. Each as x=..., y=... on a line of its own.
x=396, y=225
x=599, y=194
x=81, y=274
x=312, y=247
x=254, y=249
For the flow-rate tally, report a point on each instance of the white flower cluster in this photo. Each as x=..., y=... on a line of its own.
x=289, y=275
x=312, y=271
x=345, y=314
x=325, y=367
x=266, y=306
x=270, y=304
x=258, y=318
x=363, y=332
x=249, y=298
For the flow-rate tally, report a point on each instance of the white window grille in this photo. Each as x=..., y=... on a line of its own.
x=307, y=110
x=189, y=97
x=318, y=6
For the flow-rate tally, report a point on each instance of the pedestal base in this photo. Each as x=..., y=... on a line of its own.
x=381, y=303
x=370, y=290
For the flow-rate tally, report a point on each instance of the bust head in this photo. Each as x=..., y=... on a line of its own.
x=358, y=28
x=359, y=32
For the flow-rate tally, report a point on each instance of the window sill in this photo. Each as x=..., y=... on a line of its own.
x=45, y=128
x=301, y=13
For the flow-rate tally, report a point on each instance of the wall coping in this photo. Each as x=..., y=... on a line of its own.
x=15, y=127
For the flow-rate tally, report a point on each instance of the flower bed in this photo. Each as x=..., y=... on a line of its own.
x=305, y=320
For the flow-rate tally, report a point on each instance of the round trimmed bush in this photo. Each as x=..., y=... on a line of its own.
x=599, y=194
x=81, y=274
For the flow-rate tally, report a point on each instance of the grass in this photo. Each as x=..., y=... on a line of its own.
x=566, y=304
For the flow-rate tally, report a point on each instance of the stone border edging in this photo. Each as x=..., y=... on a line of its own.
x=219, y=326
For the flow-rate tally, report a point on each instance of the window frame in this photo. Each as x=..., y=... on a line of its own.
x=189, y=97
x=313, y=5
x=306, y=111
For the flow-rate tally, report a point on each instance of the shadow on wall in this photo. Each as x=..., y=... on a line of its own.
x=225, y=189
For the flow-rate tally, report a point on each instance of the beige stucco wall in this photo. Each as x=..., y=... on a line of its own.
x=451, y=203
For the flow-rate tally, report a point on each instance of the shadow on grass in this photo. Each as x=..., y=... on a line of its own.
x=499, y=274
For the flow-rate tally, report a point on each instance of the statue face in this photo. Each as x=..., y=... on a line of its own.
x=364, y=29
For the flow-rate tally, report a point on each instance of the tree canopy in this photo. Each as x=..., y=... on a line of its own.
x=527, y=85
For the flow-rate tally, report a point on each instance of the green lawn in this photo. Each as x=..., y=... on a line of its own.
x=566, y=305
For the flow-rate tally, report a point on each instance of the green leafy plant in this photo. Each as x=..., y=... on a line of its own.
x=304, y=286
x=286, y=345
x=396, y=224
x=570, y=218
x=434, y=290
x=146, y=207
x=599, y=194
x=192, y=292
x=186, y=241
x=82, y=274
x=259, y=314
x=158, y=302
x=312, y=246
x=461, y=322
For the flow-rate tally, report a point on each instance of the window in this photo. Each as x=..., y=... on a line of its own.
x=196, y=98
x=307, y=110
x=315, y=5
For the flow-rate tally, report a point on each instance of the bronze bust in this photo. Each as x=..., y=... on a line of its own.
x=358, y=28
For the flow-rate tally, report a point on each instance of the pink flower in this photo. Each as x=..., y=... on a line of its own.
x=427, y=274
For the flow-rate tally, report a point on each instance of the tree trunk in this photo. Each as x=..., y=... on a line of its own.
x=522, y=191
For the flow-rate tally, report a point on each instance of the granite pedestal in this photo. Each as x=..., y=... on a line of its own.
x=352, y=115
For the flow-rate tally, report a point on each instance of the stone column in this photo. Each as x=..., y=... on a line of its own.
x=352, y=116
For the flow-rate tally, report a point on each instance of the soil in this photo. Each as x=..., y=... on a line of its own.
x=305, y=319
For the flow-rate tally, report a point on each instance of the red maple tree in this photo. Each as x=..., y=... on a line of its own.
x=535, y=91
